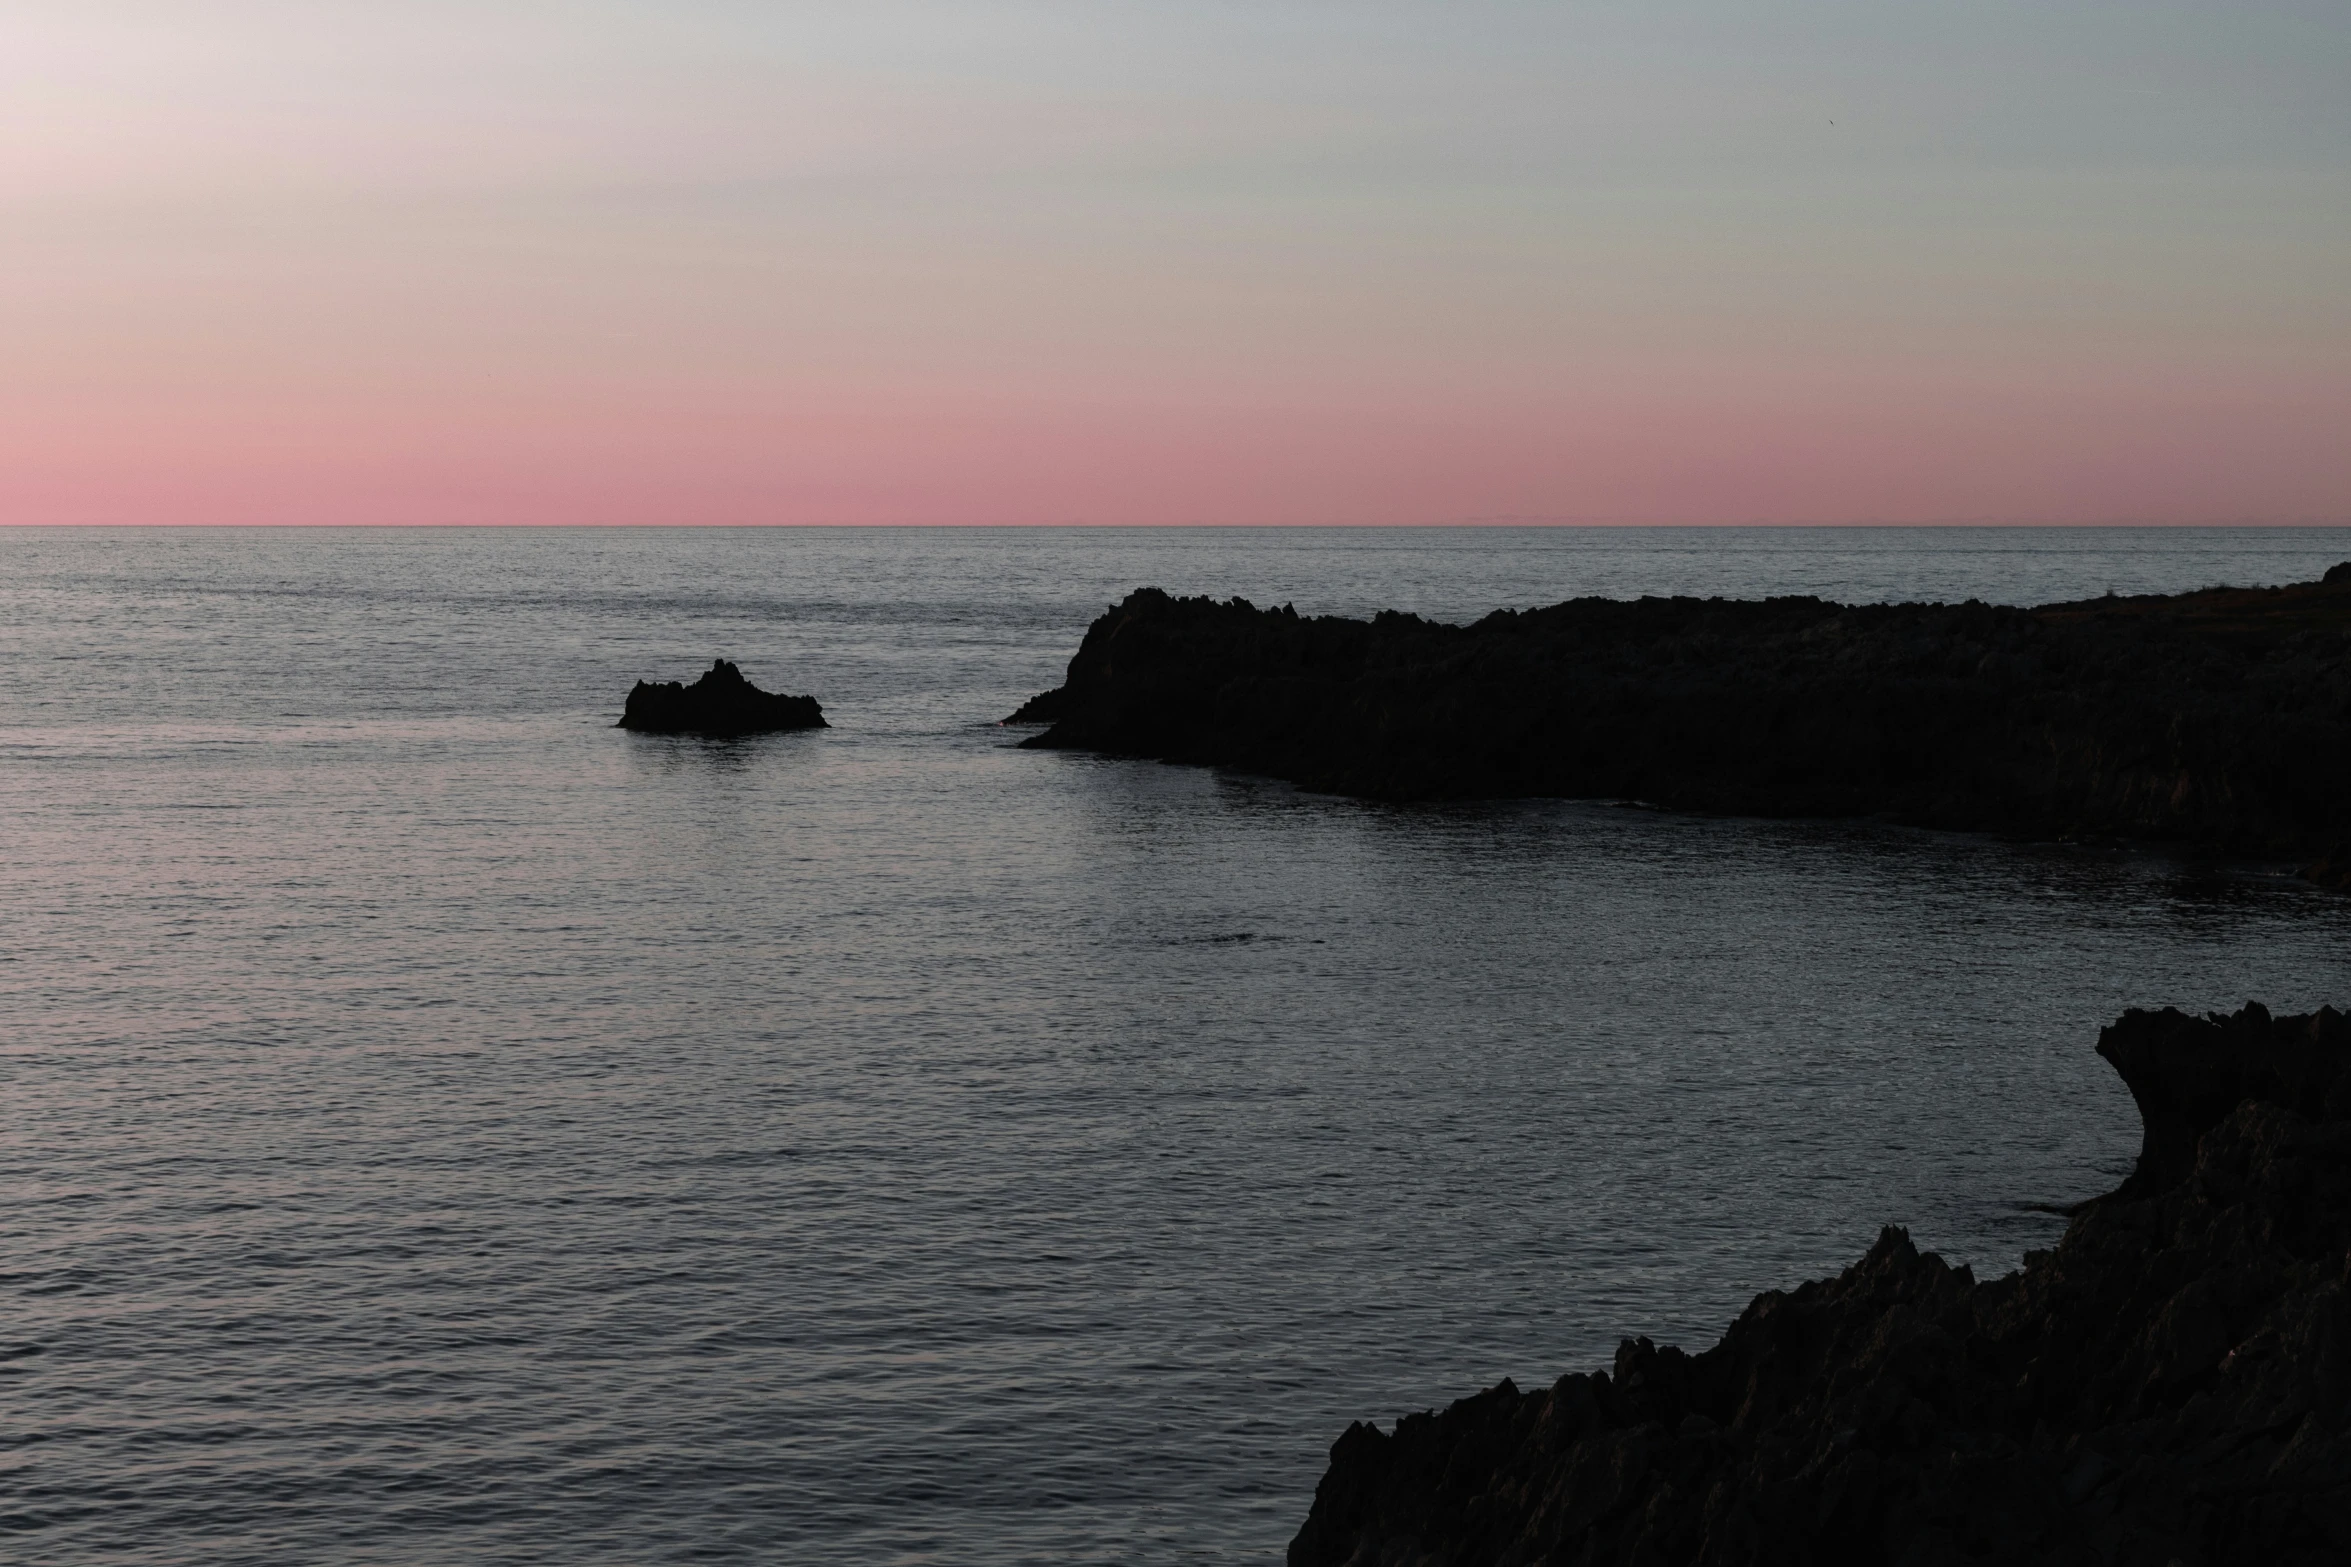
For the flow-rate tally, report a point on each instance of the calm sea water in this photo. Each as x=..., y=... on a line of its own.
x=442, y=1128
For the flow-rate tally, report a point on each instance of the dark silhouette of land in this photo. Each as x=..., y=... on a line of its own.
x=2171, y=1384
x=721, y=703
x=2220, y=718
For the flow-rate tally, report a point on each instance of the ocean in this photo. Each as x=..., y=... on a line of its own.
x=441, y=1127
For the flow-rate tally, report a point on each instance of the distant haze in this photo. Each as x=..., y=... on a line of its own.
x=712, y=261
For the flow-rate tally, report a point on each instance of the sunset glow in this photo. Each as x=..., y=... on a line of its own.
x=703, y=262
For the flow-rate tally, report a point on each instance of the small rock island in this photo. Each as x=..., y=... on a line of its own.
x=2171, y=1384
x=2220, y=718
x=722, y=704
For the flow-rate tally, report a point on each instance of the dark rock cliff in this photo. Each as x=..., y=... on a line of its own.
x=2171, y=1385
x=722, y=702
x=2221, y=718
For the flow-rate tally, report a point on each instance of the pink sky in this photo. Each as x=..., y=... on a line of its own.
x=619, y=263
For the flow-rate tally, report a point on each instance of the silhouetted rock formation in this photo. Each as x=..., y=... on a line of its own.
x=2171, y=1384
x=2331, y=869
x=722, y=702
x=2221, y=717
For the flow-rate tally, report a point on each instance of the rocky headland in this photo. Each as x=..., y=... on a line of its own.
x=2220, y=718
x=2171, y=1384
x=721, y=703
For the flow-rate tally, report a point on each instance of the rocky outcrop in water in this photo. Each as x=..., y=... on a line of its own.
x=2171, y=1384
x=2220, y=718
x=721, y=703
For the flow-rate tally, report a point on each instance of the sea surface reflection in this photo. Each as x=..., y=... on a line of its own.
x=445, y=1128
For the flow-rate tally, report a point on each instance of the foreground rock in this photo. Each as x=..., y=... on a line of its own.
x=2220, y=718
x=2171, y=1384
x=722, y=702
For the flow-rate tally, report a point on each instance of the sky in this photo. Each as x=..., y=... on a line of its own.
x=1044, y=261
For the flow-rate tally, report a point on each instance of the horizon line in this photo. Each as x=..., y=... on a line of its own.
x=1470, y=523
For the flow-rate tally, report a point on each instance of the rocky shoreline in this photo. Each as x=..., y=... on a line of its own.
x=2171, y=1384
x=2220, y=718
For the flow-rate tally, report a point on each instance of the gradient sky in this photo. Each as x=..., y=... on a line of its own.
x=1181, y=261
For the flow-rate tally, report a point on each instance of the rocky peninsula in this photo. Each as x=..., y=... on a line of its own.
x=2171, y=1384
x=722, y=703
x=2220, y=718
